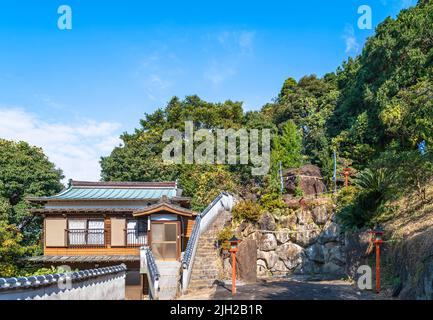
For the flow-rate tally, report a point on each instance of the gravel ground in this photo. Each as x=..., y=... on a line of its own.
x=291, y=289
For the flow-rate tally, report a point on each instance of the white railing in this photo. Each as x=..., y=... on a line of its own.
x=148, y=266
x=224, y=202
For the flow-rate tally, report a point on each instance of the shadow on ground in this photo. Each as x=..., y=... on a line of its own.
x=294, y=290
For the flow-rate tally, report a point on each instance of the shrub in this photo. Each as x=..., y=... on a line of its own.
x=247, y=210
x=223, y=236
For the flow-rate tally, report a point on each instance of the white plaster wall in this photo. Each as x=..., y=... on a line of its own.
x=107, y=287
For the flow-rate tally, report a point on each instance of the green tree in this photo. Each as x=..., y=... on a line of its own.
x=287, y=147
x=24, y=171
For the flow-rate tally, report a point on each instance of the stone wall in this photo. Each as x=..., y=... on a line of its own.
x=307, y=241
x=95, y=284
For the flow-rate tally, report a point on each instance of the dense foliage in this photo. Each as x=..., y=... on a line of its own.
x=373, y=111
x=24, y=171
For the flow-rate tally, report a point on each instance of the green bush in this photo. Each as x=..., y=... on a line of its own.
x=223, y=236
x=247, y=210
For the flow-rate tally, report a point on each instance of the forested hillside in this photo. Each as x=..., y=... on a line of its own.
x=373, y=111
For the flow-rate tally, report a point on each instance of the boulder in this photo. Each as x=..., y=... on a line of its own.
x=316, y=253
x=307, y=267
x=262, y=270
x=247, y=230
x=267, y=242
x=270, y=258
x=333, y=252
x=306, y=235
x=288, y=221
x=290, y=254
x=267, y=222
x=246, y=258
x=332, y=269
x=279, y=267
x=320, y=214
x=283, y=236
x=331, y=233
x=304, y=216
x=308, y=178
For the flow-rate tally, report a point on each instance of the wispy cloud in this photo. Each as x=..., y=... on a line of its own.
x=76, y=149
x=349, y=37
x=236, y=41
x=156, y=73
x=225, y=51
x=217, y=72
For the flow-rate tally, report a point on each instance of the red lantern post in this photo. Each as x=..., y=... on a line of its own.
x=233, y=249
x=378, y=240
x=346, y=172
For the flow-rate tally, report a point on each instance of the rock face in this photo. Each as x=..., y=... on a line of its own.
x=267, y=222
x=267, y=242
x=246, y=260
x=308, y=178
x=306, y=241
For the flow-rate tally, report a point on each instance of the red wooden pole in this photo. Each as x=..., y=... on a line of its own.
x=233, y=272
x=377, y=267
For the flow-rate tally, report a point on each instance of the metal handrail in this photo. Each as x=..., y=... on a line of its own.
x=195, y=232
x=200, y=225
x=152, y=272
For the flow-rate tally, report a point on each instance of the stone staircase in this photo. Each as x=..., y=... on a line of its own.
x=169, y=279
x=206, y=267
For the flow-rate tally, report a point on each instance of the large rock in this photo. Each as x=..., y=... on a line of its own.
x=316, y=253
x=356, y=245
x=288, y=221
x=262, y=269
x=267, y=222
x=246, y=258
x=270, y=258
x=320, y=214
x=304, y=216
x=267, y=242
x=333, y=252
x=333, y=269
x=283, y=236
x=308, y=178
x=331, y=233
x=279, y=267
x=308, y=267
x=306, y=235
x=290, y=254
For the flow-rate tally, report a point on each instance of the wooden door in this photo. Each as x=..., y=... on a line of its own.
x=165, y=240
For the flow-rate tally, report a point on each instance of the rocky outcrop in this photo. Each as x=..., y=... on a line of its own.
x=306, y=241
x=307, y=178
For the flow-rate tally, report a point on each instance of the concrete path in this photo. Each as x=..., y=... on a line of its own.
x=291, y=289
x=168, y=282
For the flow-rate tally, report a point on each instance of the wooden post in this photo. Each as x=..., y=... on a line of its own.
x=233, y=272
x=377, y=267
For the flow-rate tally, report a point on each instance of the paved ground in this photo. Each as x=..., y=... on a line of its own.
x=291, y=289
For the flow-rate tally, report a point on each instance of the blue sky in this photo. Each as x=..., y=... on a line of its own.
x=73, y=92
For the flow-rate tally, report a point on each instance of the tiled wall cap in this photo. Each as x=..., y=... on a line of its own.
x=35, y=281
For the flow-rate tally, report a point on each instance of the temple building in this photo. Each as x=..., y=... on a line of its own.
x=98, y=224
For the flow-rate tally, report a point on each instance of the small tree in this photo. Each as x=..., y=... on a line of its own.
x=287, y=147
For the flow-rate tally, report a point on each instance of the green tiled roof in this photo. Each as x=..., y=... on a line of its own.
x=114, y=193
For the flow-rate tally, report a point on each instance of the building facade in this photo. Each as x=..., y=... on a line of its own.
x=98, y=224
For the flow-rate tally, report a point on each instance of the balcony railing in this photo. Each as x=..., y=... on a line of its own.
x=135, y=238
x=86, y=238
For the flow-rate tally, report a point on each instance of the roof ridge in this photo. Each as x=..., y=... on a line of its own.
x=170, y=184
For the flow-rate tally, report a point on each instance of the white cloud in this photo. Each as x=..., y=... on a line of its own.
x=76, y=149
x=349, y=37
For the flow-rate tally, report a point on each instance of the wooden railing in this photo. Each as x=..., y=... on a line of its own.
x=85, y=238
